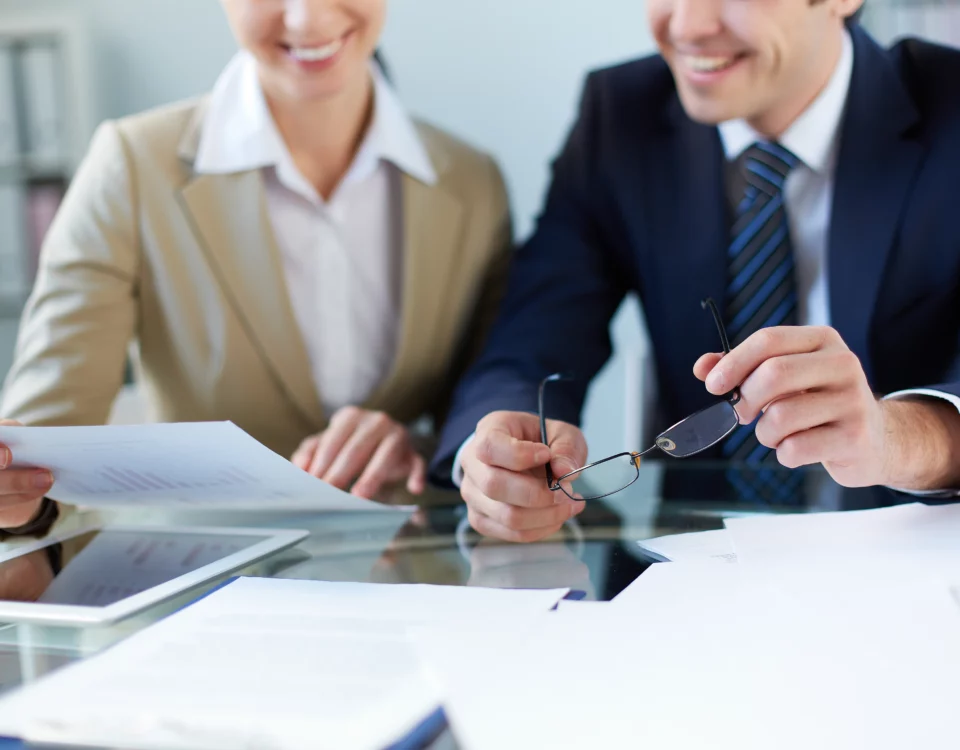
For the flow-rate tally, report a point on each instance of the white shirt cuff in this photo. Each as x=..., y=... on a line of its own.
x=456, y=476
x=955, y=400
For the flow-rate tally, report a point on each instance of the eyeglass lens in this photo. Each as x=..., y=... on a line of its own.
x=603, y=479
x=699, y=431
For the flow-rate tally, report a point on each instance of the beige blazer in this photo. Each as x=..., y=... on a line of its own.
x=185, y=270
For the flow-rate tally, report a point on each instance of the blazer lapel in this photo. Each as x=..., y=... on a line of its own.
x=875, y=170
x=433, y=220
x=689, y=230
x=228, y=216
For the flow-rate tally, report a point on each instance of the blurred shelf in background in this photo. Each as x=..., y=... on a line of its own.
x=935, y=20
x=44, y=97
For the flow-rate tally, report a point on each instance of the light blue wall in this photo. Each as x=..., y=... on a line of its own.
x=505, y=74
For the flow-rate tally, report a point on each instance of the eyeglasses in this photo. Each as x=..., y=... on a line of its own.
x=686, y=438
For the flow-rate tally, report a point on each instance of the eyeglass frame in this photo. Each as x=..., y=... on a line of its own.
x=733, y=398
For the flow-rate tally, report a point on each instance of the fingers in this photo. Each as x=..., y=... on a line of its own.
x=813, y=446
x=764, y=345
x=496, y=447
x=568, y=448
x=359, y=449
x=6, y=457
x=342, y=426
x=21, y=493
x=521, y=489
x=417, y=481
x=32, y=483
x=515, y=517
x=522, y=425
x=797, y=414
x=705, y=364
x=18, y=510
x=505, y=484
x=391, y=461
x=793, y=374
x=304, y=455
x=365, y=446
x=21, y=490
x=528, y=512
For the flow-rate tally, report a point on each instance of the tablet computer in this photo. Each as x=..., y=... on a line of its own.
x=99, y=575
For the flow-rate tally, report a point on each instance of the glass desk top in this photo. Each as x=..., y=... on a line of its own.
x=596, y=554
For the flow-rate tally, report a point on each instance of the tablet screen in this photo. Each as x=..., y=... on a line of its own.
x=102, y=567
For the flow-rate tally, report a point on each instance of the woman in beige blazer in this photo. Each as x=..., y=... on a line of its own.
x=292, y=253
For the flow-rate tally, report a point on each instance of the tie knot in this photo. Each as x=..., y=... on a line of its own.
x=766, y=166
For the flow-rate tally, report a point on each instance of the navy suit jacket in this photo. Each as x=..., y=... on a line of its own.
x=638, y=204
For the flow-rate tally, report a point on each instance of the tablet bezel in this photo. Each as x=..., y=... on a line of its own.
x=80, y=616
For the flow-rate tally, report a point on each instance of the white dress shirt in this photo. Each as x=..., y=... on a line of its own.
x=814, y=138
x=342, y=258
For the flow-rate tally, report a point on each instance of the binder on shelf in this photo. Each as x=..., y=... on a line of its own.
x=43, y=91
x=13, y=277
x=43, y=199
x=9, y=137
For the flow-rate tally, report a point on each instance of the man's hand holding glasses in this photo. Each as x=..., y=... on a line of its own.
x=503, y=476
x=803, y=385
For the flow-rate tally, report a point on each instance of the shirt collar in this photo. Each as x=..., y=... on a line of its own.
x=814, y=134
x=239, y=133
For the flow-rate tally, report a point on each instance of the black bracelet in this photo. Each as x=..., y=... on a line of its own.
x=40, y=524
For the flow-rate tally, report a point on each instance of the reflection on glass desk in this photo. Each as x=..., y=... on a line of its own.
x=596, y=554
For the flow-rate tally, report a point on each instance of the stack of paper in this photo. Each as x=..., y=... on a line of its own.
x=834, y=631
x=697, y=545
x=701, y=657
x=196, y=465
x=264, y=664
x=930, y=533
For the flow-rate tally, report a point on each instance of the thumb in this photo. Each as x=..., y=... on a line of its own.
x=705, y=365
x=568, y=449
x=562, y=464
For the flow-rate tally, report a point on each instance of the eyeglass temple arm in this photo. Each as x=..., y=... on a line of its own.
x=543, y=420
x=709, y=304
x=706, y=304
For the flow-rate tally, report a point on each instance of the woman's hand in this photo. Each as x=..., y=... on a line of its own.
x=365, y=449
x=21, y=490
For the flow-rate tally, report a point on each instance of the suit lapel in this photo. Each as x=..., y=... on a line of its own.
x=228, y=216
x=433, y=220
x=875, y=170
x=688, y=217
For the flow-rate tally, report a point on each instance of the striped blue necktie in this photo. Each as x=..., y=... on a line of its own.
x=761, y=292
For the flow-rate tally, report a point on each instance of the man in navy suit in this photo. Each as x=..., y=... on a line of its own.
x=772, y=157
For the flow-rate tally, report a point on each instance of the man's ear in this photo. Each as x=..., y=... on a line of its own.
x=850, y=10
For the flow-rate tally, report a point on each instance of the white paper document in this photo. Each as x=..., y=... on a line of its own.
x=264, y=664
x=201, y=464
x=871, y=546
x=694, y=583
x=708, y=660
x=697, y=545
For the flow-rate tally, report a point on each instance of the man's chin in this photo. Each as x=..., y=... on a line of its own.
x=708, y=110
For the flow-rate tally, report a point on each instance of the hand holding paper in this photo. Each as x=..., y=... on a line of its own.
x=21, y=490
x=204, y=464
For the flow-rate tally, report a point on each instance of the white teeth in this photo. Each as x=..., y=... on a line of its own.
x=317, y=54
x=709, y=64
